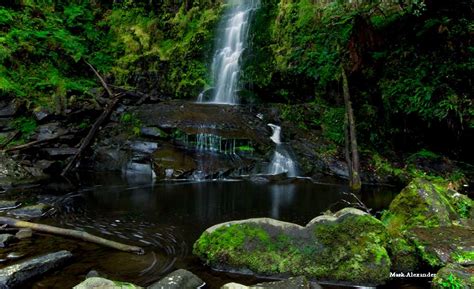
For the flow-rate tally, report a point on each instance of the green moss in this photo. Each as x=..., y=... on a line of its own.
x=348, y=250
x=463, y=256
x=403, y=255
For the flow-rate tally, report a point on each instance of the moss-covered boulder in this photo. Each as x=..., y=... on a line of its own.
x=454, y=276
x=425, y=203
x=347, y=246
x=428, y=222
x=443, y=245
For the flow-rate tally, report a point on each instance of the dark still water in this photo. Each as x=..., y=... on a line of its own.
x=167, y=218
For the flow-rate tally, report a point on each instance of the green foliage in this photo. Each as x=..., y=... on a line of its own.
x=26, y=125
x=341, y=250
x=131, y=122
x=451, y=282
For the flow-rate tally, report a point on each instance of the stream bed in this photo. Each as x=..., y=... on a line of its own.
x=167, y=218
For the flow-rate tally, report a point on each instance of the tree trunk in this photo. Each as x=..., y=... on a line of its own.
x=352, y=155
x=71, y=233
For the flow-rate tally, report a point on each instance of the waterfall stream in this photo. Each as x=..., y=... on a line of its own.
x=230, y=45
x=281, y=160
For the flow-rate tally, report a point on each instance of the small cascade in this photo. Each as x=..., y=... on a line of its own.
x=229, y=48
x=281, y=160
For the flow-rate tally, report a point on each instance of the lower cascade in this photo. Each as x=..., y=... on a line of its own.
x=281, y=160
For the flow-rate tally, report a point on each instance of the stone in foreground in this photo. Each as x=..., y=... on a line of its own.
x=30, y=212
x=295, y=283
x=347, y=246
x=102, y=283
x=179, y=279
x=15, y=275
x=454, y=276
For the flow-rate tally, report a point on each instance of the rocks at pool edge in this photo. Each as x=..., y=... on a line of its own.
x=15, y=275
x=429, y=223
x=348, y=246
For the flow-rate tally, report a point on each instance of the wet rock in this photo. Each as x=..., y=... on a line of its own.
x=92, y=273
x=143, y=146
x=454, y=276
x=439, y=246
x=427, y=204
x=8, y=108
x=346, y=246
x=172, y=159
x=50, y=130
x=11, y=169
x=17, y=274
x=41, y=114
x=24, y=234
x=54, y=152
x=7, y=205
x=15, y=255
x=34, y=211
x=294, y=283
x=179, y=279
x=6, y=239
x=429, y=222
x=109, y=159
x=102, y=283
x=153, y=132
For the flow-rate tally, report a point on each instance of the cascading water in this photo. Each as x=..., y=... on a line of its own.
x=229, y=48
x=281, y=160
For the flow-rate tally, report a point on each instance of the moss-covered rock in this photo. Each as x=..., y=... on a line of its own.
x=439, y=246
x=454, y=277
x=426, y=204
x=428, y=221
x=403, y=255
x=346, y=246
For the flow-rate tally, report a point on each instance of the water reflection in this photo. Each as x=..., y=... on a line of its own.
x=282, y=195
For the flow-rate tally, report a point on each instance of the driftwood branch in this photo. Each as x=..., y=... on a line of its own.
x=71, y=233
x=31, y=144
x=102, y=81
x=97, y=124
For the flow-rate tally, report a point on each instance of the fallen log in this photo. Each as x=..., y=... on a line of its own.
x=71, y=233
x=30, y=144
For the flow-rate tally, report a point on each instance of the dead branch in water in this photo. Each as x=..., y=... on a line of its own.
x=71, y=233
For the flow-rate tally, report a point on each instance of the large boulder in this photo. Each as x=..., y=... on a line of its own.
x=428, y=222
x=102, y=283
x=347, y=246
x=454, y=276
x=296, y=282
x=30, y=212
x=427, y=204
x=17, y=274
x=179, y=279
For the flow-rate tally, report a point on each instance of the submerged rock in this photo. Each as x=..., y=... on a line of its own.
x=454, y=276
x=179, y=279
x=296, y=283
x=6, y=239
x=24, y=234
x=7, y=205
x=17, y=274
x=102, y=283
x=34, y=211
x=346, y=246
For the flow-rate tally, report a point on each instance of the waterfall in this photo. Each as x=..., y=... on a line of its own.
x=229, y=47
x=281, y=160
